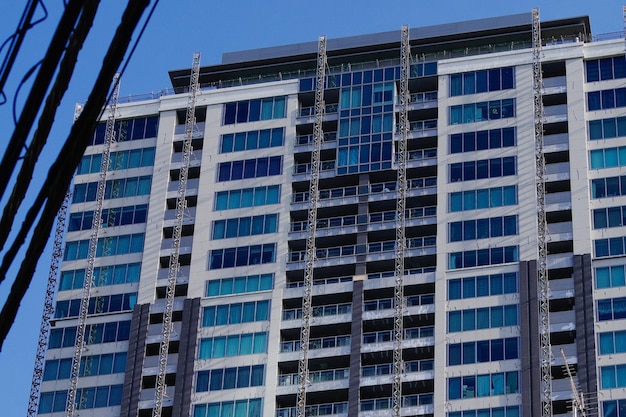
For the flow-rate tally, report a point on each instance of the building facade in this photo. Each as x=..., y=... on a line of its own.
x=471, y=334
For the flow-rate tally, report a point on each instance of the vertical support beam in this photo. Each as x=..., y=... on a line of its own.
x=109, y=139
x=48, y=309
x=190, y=121
x=318, y=134
x=398, y=327
x=542, y=250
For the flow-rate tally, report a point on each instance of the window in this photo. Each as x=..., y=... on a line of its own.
x=119, y=188
x=612, y=309
x=240, y=408
x=614, y=408
x=484, y=385
x=607, y=158
x=235, y=313
x=612, y=342
x=98, y=333
x=106, y=364
x=482, y=286
x=256, y=139
x=482, y=198
x=133, y=158
x=608, y=187
x=609, y=217
x=481, y=81
x=110, y=217
x=220, y=379
x=247, y=197
x=485, y=168
x=250, y=168
x=478, y=112
x=482, y=318
x=480, y=257
x=239, y=285
x=484, y=139
x=245, y=226
x=606, y=99
x=233, y=345
x=613, y=376
x=243, y=256
x=483, y=351
x=107, y=246
x=104, y=275
x=610, y=276
x=605, y=69
x=609, y=247
x=254, y=110
x=607, y=128
x=482, y=228
x=513, y=411
x=97, y=305
x=128, y=129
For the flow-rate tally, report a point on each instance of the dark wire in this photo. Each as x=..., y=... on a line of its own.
x=19, y=87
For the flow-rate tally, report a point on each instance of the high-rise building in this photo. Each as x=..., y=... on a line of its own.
x=471, y=311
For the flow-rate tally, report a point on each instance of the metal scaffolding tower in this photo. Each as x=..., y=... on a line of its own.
x=48, y=309
x=405, y=55
x=307, y=298
x=79, y=345
x=542, y=253
x=174, y=267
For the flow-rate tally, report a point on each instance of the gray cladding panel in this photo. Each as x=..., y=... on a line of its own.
x=381, y=38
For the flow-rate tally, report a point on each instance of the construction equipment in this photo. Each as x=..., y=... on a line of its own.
x=405, y=55
x=307, y=298
x=542, y=249
x=578, y=402
x=79, y=344
x=174, y=267
x=48, y=308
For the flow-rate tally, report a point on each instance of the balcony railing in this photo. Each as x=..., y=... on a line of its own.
x=374, y=247
x=378, y=217
x=391, y=274
x=321, y=343
x=351, y=191
x=387, y=335
x=309, y=139
x=310, y=111
x=315, y=377
x=331, y=409
x=387, y=368
x=423, y=97
x=386, y=403
x=319, y=311
x=333, y=280
x=410, y=301
x=306, y=168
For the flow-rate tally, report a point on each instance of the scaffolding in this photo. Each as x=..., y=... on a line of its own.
x=405, y=55
x=79, y=345
x=174, y=266
x=48, y=309
x=542, y=251
x=307, y=298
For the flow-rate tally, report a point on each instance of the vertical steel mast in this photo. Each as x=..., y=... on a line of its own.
x=48, y=309
x=79, y=345
x=405, y=55
x=542, y=252
x=318, y=134
x=190, y=121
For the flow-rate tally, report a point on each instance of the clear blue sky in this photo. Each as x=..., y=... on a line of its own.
x=181, y=27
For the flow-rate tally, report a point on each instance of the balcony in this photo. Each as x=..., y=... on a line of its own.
x=414, y=304
x=319, y=381
x=330, y=409
x=186, y=242
x=378, y=191
x=557, y=172
x=418, y=404
x=562, y=321
x=325, y=315
x=383, y=373
x=194, y=160
x=423, y=100
x=197, y=132
x=189, y=216
x=421, y=158
x=192, y=186
x=376, y=221
x=321, y=347
x=325, y=166
x=307, y=114
x=413, y=337
x=328, y=139
x=560, y=232
x=559, y=201
x=556, y=143
x=554, y=85
x=555, y=114
x=416, y=247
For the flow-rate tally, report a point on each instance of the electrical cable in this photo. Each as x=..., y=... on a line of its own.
x=61, y=172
